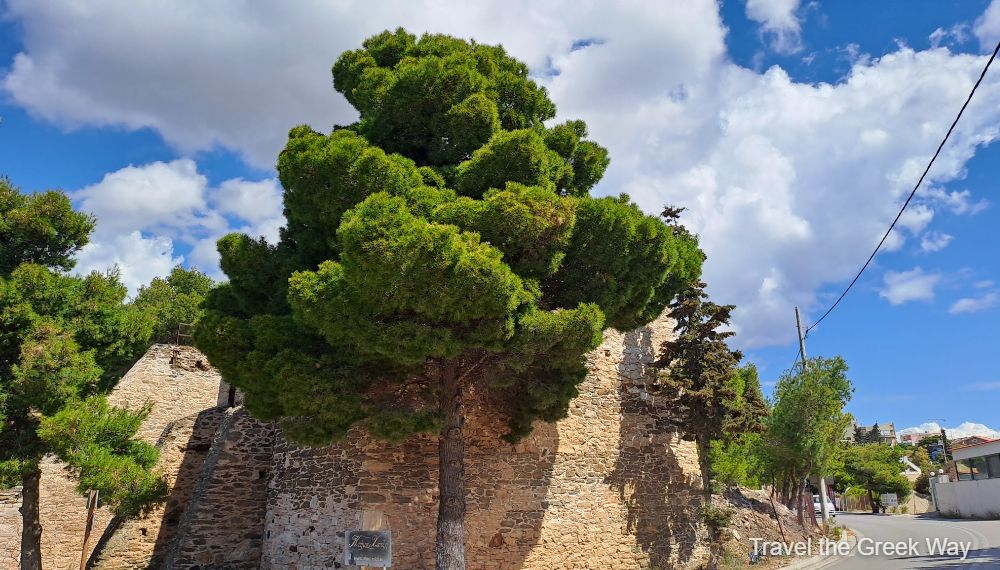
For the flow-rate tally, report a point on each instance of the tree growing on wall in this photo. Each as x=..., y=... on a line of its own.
x=699, y=375
x=61, y=338
x=445, y=241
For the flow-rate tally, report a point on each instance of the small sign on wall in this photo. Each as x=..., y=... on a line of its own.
x=368, y=548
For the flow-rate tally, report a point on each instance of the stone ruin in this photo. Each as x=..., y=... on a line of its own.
x=612, y=486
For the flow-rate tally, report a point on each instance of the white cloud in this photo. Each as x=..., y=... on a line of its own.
x=965, y=429
x=144, y=211
x=987, y=27
x=778, y=21
x=935, y=241
x=789, y=185
x=139, y=259
x=905, y=286
x=956, y=34
x=916, y=218
x=985, y=386
x=975, y=304
x=958, y=202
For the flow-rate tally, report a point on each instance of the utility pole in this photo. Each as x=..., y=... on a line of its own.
x=822, y=480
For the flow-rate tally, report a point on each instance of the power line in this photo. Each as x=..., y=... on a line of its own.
x=912, y=193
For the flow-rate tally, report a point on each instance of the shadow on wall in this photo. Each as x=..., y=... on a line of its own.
x=662, y=501
x=507, y=491
x=183, y=446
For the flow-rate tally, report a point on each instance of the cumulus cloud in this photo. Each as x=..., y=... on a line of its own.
x=935, y=241
x=144, y=211
x=956, y=34
x=964, y=429
x=778, y=21
x=987, y=27
x=975, y=304
x=905, y=286
x=789, y=185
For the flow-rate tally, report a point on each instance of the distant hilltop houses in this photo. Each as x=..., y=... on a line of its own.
x=857, y=433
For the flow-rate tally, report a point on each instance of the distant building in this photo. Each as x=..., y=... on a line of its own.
x=914, y=438
x=969, y=441
x=887, y=432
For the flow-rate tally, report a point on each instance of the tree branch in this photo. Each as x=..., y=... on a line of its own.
x=472, y=368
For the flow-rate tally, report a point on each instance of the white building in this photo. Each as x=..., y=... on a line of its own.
x=976, y=493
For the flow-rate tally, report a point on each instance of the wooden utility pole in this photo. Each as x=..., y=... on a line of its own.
x=822, y=480
x=91, y=506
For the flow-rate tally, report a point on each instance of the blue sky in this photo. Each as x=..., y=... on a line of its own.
x=790, y=130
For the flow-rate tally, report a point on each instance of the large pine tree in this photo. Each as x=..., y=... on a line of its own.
x=445, y=240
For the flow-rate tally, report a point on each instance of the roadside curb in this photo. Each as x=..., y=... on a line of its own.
x=825, y=560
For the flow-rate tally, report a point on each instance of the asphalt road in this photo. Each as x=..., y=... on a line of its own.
x=982, y=538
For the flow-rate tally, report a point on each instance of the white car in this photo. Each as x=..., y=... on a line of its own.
x=830, y=509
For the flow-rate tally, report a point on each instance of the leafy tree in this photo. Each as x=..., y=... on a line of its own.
x=700, y=375
x=932, y=445
x=39, y=228
x=62, y=338
x=805, y=426
x=876, y=468
x=735, y=456
x=922, y=459
x=173, y=300
x=445, y=241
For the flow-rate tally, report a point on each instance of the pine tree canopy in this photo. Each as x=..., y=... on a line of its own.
x=64, y=340
x=448, y=224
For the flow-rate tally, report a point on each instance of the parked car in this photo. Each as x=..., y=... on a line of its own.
x=830, y=509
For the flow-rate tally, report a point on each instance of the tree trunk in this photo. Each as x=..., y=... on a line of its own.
x=31, y=527
x=799, y=486
x=451, y=473
x=714, y=533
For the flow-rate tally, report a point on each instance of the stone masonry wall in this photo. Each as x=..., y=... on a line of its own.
x=610, y=487
x=182, y=388
x=10, y=529
x=142, y=543
x=223, y=526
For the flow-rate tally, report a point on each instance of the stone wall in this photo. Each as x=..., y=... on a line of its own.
x=179, y=383
x=610, y=487
x=223, y=525
x=142, y=543
x=10, y=529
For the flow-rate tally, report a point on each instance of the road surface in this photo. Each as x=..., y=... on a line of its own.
x=980, y=538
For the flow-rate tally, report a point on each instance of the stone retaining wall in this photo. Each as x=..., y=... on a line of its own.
x=610, y=487
x=223, y=526
x=142, y=543
x=10, y=529
x=179, y=383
